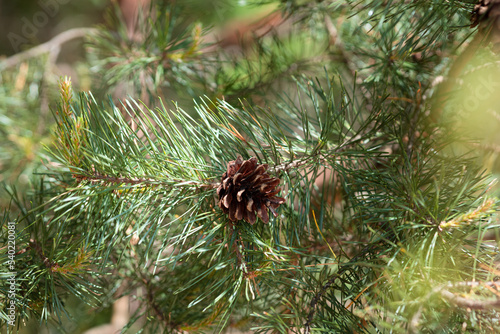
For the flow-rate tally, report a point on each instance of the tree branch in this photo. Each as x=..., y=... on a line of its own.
x=97, y=178
x=466, y=302
x=314, y=301
x=52, y=46
x=470, y=303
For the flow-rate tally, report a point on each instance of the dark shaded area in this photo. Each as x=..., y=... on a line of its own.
x=26, y=23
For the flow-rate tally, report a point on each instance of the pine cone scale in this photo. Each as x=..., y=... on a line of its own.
x=248, y=166
x=227, y=201
x=237, y=178
x=241, y=211
x=263, y=213
x=251, y=218
x=272, y=193
x=250, y=205
x=238, y=195
x=267, y=187
x=232, y=212
x=257, y=172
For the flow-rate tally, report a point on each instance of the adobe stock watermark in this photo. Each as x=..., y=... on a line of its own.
x=480, y=91
x=30, y=27
x=11, y=278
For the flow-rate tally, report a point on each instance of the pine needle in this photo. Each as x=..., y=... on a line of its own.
x=315, y=222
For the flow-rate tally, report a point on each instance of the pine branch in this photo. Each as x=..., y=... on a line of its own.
x=376, y=221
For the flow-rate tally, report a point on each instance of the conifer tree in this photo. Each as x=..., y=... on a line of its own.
x=331, y=172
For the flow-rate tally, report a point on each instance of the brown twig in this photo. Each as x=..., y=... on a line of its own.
x=314, y=301
x=474, y=304
x=470, y=303
x=321, y=157
x=38, y=249
x=98, y=178
x=289, y=165
x=52, y=46
x=151, y=300
x=327, y=285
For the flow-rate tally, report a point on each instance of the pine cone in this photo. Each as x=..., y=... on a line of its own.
x=484, y=11
x=246, y=189
x=486, y=15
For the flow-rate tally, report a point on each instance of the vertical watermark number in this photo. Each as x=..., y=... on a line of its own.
x=11, y=279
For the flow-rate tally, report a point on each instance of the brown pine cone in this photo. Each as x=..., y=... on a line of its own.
x=247, y=191
x=484, y=11
x=486, y=15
